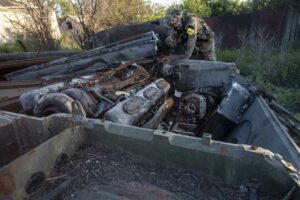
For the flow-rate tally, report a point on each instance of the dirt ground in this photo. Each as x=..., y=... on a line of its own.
x=106, y=173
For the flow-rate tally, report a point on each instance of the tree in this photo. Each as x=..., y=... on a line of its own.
x=96, y=15
x=220, y=7
x=64, y=8
x=197, y=7
x=275, y=5
x=38, y=27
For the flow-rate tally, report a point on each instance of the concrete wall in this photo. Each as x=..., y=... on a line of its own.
x=11, y=13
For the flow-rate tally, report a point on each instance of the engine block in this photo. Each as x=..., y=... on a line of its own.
x=139, y=108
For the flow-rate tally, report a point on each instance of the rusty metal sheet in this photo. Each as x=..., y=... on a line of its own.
x=10, y=91
x=24, y=63
x=13, y=178
x=88, y=62
x=33, y=55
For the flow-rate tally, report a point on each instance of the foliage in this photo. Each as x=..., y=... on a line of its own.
x=10, y=47
x=197, y=7
x=275, y=71
x=97, y=15
x=275, y=4
x=38, y=27
x=66, y=43
x=157, y=11
x=64, y=8
x=221, y=7
x=207, y=8
x=289, y=98
x=298, y=116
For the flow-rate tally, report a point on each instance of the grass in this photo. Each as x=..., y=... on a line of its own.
x=64, y=43
x=273, y=70
x=10, y=47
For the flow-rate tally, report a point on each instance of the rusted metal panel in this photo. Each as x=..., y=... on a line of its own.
x=13, y=178
x=18, y=84
x=142, y=46
x=234, y=164
x=35, y=55
x=24, y=63
x=123, y=32
x=229, y=27
x=10, y=91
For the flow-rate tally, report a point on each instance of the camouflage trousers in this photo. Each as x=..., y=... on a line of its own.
x=204, y=50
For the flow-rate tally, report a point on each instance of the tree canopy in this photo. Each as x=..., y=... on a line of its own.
x=207, y=8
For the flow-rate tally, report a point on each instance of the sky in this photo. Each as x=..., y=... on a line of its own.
x=166, y=2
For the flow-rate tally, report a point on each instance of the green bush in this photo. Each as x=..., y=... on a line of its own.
x=10, y=47
x=66, y=43
x=298, y=116
x=279, y=69
x=289, y=98
x=274, y=70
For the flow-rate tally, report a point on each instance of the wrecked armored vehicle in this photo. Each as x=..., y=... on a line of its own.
x=195, y=115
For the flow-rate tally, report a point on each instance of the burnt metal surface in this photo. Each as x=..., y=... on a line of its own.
x=20, y=134
x=228, y=113
x=35, y=55
x=235, y=165
x=134, y=110
x=117, y=78
x=124, y=32
x=30, y=99
x=10, y=91
x=197, y=98
x=11, y=62
x=94, y=92
x=160, y=114
x=141, y=46
x=197, y=74
x=57, y=103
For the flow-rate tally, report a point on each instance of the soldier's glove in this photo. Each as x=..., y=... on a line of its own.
x=171, y=43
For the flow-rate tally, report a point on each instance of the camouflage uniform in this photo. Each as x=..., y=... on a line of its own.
x=193, y=33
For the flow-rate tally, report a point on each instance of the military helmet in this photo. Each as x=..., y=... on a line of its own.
x=173, y=14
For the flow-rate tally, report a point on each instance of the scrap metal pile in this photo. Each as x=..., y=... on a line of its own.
x=111, y=83
x=115, y=94
x=131, y=82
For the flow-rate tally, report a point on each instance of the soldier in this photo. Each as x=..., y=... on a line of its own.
x=192, y=32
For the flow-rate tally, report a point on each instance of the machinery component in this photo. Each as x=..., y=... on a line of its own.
x=120, y=77
x=137, y=110
x=229, y=112
x=57, y=103
x=160, y=114
x=114, y=79
x=167, y=69
x=30, y=99
x=194, y=74
x=195, y=104
x=88, y=102
x=232, y=105
x=187, y=113
x=184, y=128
